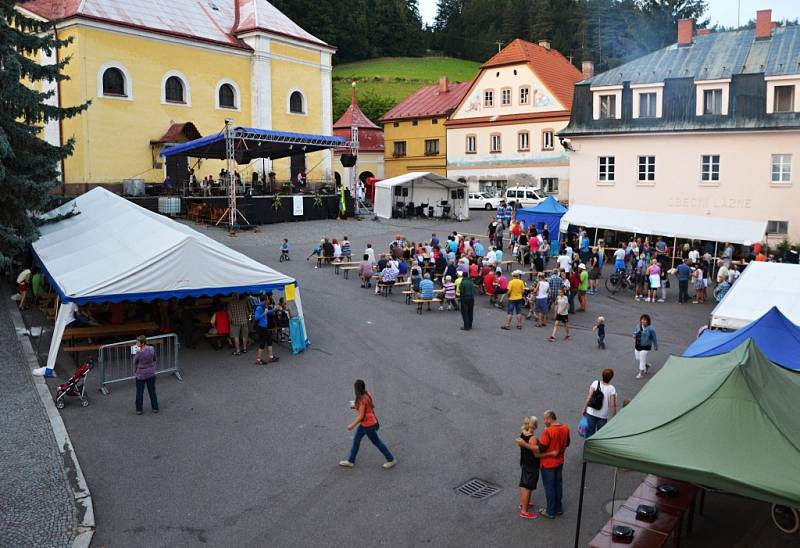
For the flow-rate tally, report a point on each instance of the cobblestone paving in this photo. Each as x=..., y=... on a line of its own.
x=36, y=501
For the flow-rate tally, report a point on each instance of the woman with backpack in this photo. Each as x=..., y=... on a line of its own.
x=365, y=424
x=601, y=402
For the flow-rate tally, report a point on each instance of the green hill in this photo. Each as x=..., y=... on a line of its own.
x=384, y=82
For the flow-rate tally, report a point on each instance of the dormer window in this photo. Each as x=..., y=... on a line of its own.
x=712, y=98
x=607, y=103
x=608, y=107
x=784, y=99
x=712, y=101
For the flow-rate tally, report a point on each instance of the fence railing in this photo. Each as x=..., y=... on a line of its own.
x=116, y=359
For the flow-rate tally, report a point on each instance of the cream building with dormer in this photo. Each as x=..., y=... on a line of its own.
x=503, y=132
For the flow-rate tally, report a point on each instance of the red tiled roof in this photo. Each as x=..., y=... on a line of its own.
x=553, y=69
x=217, y=21
x=428, y=102
x=370, y=135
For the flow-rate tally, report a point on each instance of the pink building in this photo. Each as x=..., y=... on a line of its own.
x=704, y=133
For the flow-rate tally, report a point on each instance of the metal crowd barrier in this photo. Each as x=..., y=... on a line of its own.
x=116, y=359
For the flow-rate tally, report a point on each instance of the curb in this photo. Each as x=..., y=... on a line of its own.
x=80, y=490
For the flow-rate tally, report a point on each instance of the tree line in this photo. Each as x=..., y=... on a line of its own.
x=608, y=32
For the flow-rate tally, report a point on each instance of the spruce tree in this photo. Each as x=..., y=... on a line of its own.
x=28, y=164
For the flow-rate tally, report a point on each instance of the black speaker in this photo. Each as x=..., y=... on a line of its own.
x=348, y=160
x=398, y=191
x=405, y=192
x=460, y=193
x=453, y=195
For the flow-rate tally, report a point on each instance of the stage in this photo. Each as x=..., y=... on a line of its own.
x=258, y=210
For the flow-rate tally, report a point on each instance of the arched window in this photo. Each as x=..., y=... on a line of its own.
x=114, y=82
x=296, y=105
x=227, y=96
x=173, y=90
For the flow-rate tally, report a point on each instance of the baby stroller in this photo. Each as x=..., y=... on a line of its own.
x=76, y=385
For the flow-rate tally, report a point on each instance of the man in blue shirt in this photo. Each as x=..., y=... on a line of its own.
x=684, y=273
x=434, y=240
x=426, y=287
x=480, y=251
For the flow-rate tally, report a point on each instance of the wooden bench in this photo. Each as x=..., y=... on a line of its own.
x=82, y=348
x=420, y=302
x=508, y=264
x=409, y=295
x=101, y=331
x=385, y=289
x=346, y=270
x=215, y=339
x=321, y=259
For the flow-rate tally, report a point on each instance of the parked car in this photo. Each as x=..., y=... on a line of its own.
x=481, y=200
x=524, y=196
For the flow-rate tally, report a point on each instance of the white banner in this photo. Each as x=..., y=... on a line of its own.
x=298, y=206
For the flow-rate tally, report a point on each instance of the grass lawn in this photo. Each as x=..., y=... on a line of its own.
x=396, y=77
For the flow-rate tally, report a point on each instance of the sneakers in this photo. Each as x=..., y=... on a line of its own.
x=346, y=463
x=637, y=298
x=138, y=412
x=638, y=376
x=389, y=464
x=528, y=515
x=661, y=300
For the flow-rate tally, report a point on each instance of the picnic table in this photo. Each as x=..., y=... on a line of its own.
x=655, y=533
x=421, y=302
x=102, y=332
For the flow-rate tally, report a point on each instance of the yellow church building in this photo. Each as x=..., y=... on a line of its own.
x=160, y=73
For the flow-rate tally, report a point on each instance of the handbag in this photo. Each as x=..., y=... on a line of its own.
x=596, y=400
x=583, y=427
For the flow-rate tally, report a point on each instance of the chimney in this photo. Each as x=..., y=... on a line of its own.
x=545, y=44
x=763, y=24
x=685, y=32
x=587, y=69
x=444, y=85
x=703, y=32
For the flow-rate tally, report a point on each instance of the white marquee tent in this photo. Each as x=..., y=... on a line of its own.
x=420, y=188
x=113, y=250
x=760, y=287
x=674, y=225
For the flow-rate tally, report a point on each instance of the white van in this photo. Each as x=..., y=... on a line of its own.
x=524, y=196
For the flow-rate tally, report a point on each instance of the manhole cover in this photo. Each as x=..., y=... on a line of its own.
x=478, y=489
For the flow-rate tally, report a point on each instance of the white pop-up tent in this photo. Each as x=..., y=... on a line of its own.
x=760, y=287
x=421, y=188
x=674, y=225
x=109, y=249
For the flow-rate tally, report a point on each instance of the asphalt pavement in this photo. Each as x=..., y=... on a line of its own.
x=243, y=455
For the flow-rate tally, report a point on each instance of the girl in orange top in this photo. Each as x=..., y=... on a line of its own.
x=365, y=424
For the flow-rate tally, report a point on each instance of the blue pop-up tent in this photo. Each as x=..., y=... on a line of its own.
x=549, y=213
x=776, y=336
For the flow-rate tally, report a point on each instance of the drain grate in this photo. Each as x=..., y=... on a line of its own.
x=478, y=489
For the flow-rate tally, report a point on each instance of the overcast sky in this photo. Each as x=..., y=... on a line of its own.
x=723, y=12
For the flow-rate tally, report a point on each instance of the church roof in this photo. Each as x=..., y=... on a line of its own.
x=370, y=135
x=218, y=21
x=553, y=69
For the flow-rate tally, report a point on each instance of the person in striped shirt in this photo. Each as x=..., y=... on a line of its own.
x=449, y=294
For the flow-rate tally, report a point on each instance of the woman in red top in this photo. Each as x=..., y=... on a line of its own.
x=366, y=424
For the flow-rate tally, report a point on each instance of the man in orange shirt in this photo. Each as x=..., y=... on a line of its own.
x=554, y=438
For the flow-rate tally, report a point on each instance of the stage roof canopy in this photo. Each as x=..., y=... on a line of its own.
x=251, y=143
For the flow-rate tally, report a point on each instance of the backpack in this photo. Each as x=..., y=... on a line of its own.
x=596, y=400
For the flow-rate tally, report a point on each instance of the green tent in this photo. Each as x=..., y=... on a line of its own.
x=729, y=422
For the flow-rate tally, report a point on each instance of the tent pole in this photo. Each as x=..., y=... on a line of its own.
x=580, y=505
x=674, y=251
x=714, y=262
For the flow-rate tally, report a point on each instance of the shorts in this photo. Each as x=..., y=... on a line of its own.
x=655, y=281
x=514, y=307
x=264, y=337
x=594, y=273
x=501, y=291
x=563, y=318
x=541, y=305
x=529, y=478
x=237, y=331
x=619, y=265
